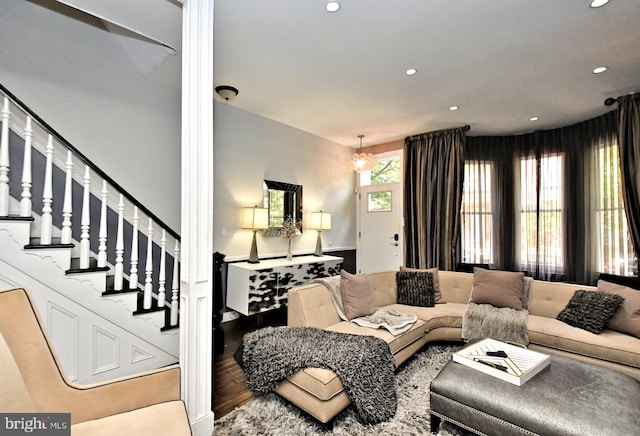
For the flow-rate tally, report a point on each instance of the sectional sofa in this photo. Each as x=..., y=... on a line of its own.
x=320, y=393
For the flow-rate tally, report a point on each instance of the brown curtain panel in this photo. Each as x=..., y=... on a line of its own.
x=433, y=194
x=629, y=146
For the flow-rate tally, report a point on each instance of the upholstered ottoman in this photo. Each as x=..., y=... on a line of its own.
x=568, y=397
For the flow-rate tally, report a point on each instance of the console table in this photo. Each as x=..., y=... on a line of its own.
x=259, y=287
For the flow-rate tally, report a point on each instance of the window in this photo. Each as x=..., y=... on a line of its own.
x=477, y=216
x=615, y=253
x=541, y=215
x=387, y=170
x=379, y=201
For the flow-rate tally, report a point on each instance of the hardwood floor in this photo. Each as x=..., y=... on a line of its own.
x=229, y=386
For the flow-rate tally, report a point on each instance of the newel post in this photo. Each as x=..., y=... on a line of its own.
x=196, y=269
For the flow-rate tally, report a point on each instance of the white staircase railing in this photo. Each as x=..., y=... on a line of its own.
x=118, y=214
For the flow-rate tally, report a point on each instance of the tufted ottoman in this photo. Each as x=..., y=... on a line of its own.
x=568, y=397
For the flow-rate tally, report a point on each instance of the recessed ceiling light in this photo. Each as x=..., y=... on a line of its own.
x=332, y=6
x=534, y=118
x=598, y=3
x=453, y=108
x=411, y=72
x=599, y=70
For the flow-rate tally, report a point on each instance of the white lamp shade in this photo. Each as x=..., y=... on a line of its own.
x=255, y=218
x=320, y=221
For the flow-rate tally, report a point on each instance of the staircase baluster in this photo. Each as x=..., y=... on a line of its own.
x=4, y=159
x=102, y=232
x=162, y=277
x=133, y=272
x=47, y=197
x=85, y=222
x=25, y=197
x=119, y=269
x=175, y=286
x=67, y=205
x=148, y=281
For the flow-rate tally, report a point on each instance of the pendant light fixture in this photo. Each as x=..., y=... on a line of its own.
x=360, y=161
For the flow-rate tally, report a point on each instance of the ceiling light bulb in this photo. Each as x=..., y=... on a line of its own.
x=599, y=70
x=453, y=108
x=598, y=3
x=534, y=118
x=332, y=6
x=411, y=71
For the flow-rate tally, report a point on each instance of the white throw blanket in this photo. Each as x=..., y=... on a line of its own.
x=393, y=321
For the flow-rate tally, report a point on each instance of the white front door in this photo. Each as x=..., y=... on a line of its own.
x=380, y=242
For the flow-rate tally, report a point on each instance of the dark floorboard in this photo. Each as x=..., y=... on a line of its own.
x=229, y=386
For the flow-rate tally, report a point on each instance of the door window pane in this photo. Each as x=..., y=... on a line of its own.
x=379, y=201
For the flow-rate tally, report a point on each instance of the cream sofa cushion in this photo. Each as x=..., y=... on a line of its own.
x=441, y=315
x=15, y=396
x=167, y=419
x=608, y=345
x=396, y=343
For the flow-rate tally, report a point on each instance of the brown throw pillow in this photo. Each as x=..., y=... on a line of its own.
x=356, y=295
x=436, y=281
x=627, y=318
x=498, y=288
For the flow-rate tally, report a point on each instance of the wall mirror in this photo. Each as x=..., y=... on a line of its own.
x=282, y=200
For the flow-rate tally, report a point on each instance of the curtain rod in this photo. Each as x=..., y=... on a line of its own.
x=611, y=101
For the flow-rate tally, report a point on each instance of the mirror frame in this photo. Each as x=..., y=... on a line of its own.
x=295, y=191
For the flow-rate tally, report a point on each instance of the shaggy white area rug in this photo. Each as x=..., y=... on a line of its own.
x=272, y=415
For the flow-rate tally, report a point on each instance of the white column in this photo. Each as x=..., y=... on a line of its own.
x=85, y=221
x=4, y=159
x=102, y=231
x=197, y=213
x=118, y=272
x=25, y=197
x=148, y=270
x=67, y=205
x=46, y=224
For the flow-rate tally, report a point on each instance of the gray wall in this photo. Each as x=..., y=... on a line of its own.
x=117, y=99
x=113, y=96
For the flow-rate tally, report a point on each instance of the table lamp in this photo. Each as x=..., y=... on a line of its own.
x=255, y=218
x=320, y=221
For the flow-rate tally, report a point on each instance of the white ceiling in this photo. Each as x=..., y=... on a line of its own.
x=501, y=61
x=343, y=74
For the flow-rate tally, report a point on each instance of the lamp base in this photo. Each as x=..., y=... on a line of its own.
x=253, y=254
x=318, y=252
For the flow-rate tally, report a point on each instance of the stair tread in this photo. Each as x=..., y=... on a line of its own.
x=93, y=266
x=55, y=243
x=16, y=218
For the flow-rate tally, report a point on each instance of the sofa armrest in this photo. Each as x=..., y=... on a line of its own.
x=88, y=402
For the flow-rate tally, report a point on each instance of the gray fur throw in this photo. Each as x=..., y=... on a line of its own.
x=502, y=324
x=364, y=364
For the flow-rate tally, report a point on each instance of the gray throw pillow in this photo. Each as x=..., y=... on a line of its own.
x=590, y=310
x=415, y=288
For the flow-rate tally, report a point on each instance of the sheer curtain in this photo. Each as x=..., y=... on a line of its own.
x=433, y=194
x=548, y=201
x=629, y=137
